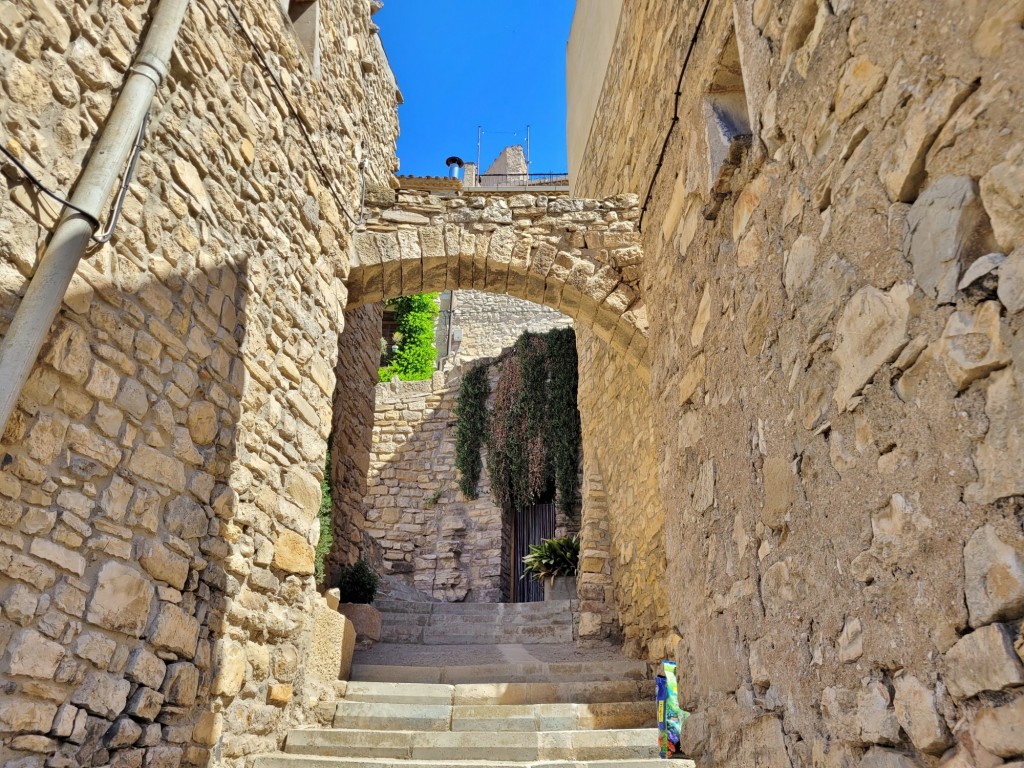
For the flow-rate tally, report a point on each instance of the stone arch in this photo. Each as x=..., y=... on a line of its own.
x=582, y=257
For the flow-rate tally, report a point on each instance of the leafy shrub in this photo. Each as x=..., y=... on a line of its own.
x=326, y=516
x=553, y=557
x=416, y=353
x=471, y=428
x=358, y=583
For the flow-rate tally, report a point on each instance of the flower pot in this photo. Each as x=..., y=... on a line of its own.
x=560, y=588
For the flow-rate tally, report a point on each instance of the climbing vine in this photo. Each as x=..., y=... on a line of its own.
x=323, y=546
x=471, y=428
x=533, y=431
x=416, y=353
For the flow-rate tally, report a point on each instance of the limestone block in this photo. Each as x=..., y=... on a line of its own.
x=22, y=715
x=208, y=728
x=331, y=645
x=202, y=422
x=1011, y=281
x=902, y=166
x=850, y=645
x=174, y=630
x=1000, y=730
x=861, y=79
x=304, y=490
x=872, y=331
x=19, y=604
x=121, y=599
x=181, y=684
x=875, y=717
x=1000, y=456
x=917, y=715
x=122, y=733
x=973, y=344
x=230, y=671
x=993, y=577
x=780, y=490
x=941, y=226
x=292, y=553
x=879, y=757
x=102, y=694
x=145, y=668
x=160, y=468
x=984, y=660
x=32, y=655
x=279, y=694
x=145, y=704
x=799, y=264
x=1002, y=191
x=163, y=564
x=366, y=620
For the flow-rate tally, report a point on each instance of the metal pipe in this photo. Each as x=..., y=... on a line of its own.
x=27, y=333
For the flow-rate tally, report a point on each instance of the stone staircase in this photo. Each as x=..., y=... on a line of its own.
x=483, y=685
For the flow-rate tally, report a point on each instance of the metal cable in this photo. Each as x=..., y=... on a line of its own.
x=302, y=127
x=46, y=190
x=675, y=113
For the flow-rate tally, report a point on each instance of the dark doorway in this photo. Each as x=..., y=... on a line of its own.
x=529, y=525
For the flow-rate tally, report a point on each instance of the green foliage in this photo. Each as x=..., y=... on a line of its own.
x=323, y=546
x=534, y=439
x=358, y=583
x=562, y=418
x=416, y=354
x=471, y=428
x=552, y=557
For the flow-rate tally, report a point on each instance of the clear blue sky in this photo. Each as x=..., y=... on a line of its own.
x=499, y=64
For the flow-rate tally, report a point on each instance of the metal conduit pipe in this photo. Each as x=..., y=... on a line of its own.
x=20, y=347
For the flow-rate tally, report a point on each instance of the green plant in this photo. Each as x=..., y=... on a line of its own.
x=323, y=546
x=414, y=359
x=562, y=430
x=431, y=501
x=471, y=428
x=358, y=583
x=553, y=557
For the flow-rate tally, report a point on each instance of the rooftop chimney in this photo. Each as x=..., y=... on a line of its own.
x=454, y=164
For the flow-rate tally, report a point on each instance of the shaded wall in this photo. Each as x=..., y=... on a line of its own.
x=836, y=398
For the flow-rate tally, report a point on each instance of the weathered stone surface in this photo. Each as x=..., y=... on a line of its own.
x=860, y=80
x=102, y=694
x=871, y=332
x=32, y=655
x=145, y=704
x=366, y=620
x=875, y=717
x=879, y=757
x=121, y=599
x=780, y=491
x=230, y=669
x=123, y=733
x=292, y=553
x=279, y=694
x=993, y=577
x=1002, y=190
x=941, y=227
x=331, y=646
x=145, y=668
x=158, y=467
x=1011, y=281
x=984, y=660
x=1002, y=451
x=202, y=423
x=973, y=344
x=181, y=684
x=163, y=564
x=902, y=167
x=918, y=716
x=1000, y=729
x=851, y=640
x=23, y=715
x=174, y=630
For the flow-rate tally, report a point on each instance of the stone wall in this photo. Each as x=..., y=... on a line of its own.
x=159, y=479
x=352, y=433
x=491, y=322
x=836, y=368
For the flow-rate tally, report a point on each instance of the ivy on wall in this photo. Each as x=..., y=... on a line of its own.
x=414, y=359
x=323, y=546
x=533, y=432
x=471, y=428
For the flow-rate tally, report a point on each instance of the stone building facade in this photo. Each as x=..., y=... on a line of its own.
x=159, y=479
x=835, y=384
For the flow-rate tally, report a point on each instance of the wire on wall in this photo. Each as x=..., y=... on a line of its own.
x=675, y=113
x=328, y=181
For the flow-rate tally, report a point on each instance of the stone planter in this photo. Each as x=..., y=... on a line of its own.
x=560, y=588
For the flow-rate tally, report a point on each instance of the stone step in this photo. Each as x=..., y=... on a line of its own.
x=525, y=672
x=525, y=610
x=361, y=715
x=281, y=760
x=489, y=694
x=468, y=634
x=620, y=744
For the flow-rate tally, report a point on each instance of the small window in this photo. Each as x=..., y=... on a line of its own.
x=726, y=117
x=305, y=18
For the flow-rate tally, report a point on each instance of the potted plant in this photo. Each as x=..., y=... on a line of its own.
x=555, y=563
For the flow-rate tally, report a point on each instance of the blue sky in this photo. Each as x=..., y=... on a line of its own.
x=499, y=64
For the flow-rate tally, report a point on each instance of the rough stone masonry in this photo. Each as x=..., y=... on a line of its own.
x=834, y=245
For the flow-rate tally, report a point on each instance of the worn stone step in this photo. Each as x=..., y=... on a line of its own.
x=546, y=608
x=379, y=716
x=476, y=634
x=468, y=745
x=527, y=672
x=281, y=760
x=487, y=694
